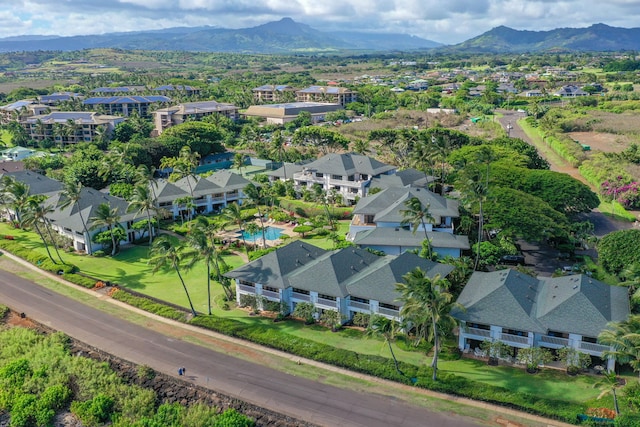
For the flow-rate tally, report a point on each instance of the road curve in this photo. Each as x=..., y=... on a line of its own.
x=301, y=398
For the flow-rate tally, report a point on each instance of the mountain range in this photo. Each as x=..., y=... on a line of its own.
x=287, y=36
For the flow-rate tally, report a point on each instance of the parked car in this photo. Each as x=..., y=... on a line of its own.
x=512, y=259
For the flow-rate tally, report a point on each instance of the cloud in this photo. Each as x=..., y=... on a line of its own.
x=449, y=22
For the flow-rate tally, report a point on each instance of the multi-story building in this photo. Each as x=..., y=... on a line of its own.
x=333, y=94
x=125, y=105
x=20, y=110
x=273, y=93
x=285, y=113
x=69, y=127
x=166, y=117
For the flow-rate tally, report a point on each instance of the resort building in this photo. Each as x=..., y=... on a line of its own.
x=164, y=118
x=523, y=311
x=20, y=110
x=125, y=105
x=280, y=114
x=70, y=127
x=348, y=280
x=266, y=94
x=332, y=94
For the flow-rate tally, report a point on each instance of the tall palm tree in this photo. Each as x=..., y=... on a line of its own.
x=387, y=329
x=608, y=385
x=35, y=215
x=477, y=190
x=255, y=196
x=232, y=213
x=142, y=202
x=426, y=307
x=16, y=196
x=165, y=252
x=201, y=238
x=71, y=195
x=106, y=217
x=416, y=215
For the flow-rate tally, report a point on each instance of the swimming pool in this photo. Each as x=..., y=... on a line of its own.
x=270, y=233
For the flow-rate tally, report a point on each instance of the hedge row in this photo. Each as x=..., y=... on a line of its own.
x=4, y=310
x=566, y=148
x=148, y=305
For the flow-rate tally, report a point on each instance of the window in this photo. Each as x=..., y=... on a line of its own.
x=245, y=283
x=269, y=288
x=300, y=291
x=368, y=219
x=336, y=187
x=388, y=306
x=351, y=178
x=319, y=174
x=364, y=177
x=329, y=297
x=362, y=300
x=336, y=177
x=479, y=326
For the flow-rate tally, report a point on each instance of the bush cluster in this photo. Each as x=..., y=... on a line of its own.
x=148, y=305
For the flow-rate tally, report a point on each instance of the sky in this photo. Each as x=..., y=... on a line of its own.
x=449, y=22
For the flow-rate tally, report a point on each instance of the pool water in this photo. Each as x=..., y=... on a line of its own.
x=270, y=233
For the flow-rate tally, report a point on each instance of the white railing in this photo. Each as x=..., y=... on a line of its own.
x=564, y=342
x=360, y=305
x=478, y=332
x=271, y=294
x=514, y=338
x=327, y=302
x=303, y=297
x=388, y=312
x=246, y=288
x=589, y=346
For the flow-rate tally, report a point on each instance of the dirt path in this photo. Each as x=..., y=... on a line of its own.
x=603, y=222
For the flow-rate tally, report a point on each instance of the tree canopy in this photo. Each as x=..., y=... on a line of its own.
x=619, y=249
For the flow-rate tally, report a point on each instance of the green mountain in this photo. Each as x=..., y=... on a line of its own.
x=596, y=38
x=284, y=36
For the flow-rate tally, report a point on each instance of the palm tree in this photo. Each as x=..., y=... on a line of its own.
x=426, y=307
x=624, y=340
x=71, y=195
x=232, y=213
x=416, y=215
x=477, y=190
x=238, y=161
x=108, y=218
x=256, y=197
x=142, y=202
x=34, y=215
x=387, y=329
x=201, y=239
x=608, y=385
x=16, y=195
x=166, y=251
x=183, y=166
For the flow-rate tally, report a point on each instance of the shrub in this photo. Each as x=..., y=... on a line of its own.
x=99, y=253
x=361, y=319
x=233, y=418
x=95, y=411
x=149, y=305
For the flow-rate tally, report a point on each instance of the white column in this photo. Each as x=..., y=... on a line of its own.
x=496, y=333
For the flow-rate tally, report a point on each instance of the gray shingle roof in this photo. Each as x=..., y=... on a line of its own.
x=167, y=191
x=379, y=282
x=227, y=180
x=390, y=236
x=349, y=164
x=402, y=178
x=274, y=268
x=572, y=304
x=386, y=206
x=38, y=184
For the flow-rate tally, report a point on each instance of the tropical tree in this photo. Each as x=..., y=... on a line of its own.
x=238, y=161
x=106, y=217
x=142, y=202
x=35, y=215
x=16, y=195
x=426, y=307
x=476, y=192
x=255, y=196
x=183, y=166
x=167, y=251
x=232, y=213
x=418, y=215
x=386, y=328
x=71, y=195
x=608, y=385
x=624, y=340
x=201, y=238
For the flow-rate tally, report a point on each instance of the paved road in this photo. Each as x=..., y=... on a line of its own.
x=298, y=397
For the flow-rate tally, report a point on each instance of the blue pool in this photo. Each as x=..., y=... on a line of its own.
x=270, y=233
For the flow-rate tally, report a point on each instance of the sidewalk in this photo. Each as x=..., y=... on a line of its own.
x=500, y=411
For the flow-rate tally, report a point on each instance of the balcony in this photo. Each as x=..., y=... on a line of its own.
x=484, y=333
x=271, y=294
x=509, y=338
x=360, y=305
x=554, y=341
x=249, y=289
x=389, y=312
x=301, y=297
x=594, y=348
x=326, y=302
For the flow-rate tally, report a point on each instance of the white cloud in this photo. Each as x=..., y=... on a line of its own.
x=448, y=22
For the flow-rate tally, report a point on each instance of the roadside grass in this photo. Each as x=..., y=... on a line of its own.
x=6, y=138
x=130, y=270
x=615, y=210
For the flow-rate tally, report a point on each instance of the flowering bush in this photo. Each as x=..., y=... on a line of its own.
x=99, y=284
x=601, y=413
x=627, y=194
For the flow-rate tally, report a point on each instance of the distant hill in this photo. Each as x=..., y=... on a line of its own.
x=284, y=36
x=596, y=38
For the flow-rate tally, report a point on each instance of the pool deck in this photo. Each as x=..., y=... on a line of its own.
x=287, y=228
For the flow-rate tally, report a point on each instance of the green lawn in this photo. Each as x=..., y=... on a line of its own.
x=130, y=269
x=6, y=138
